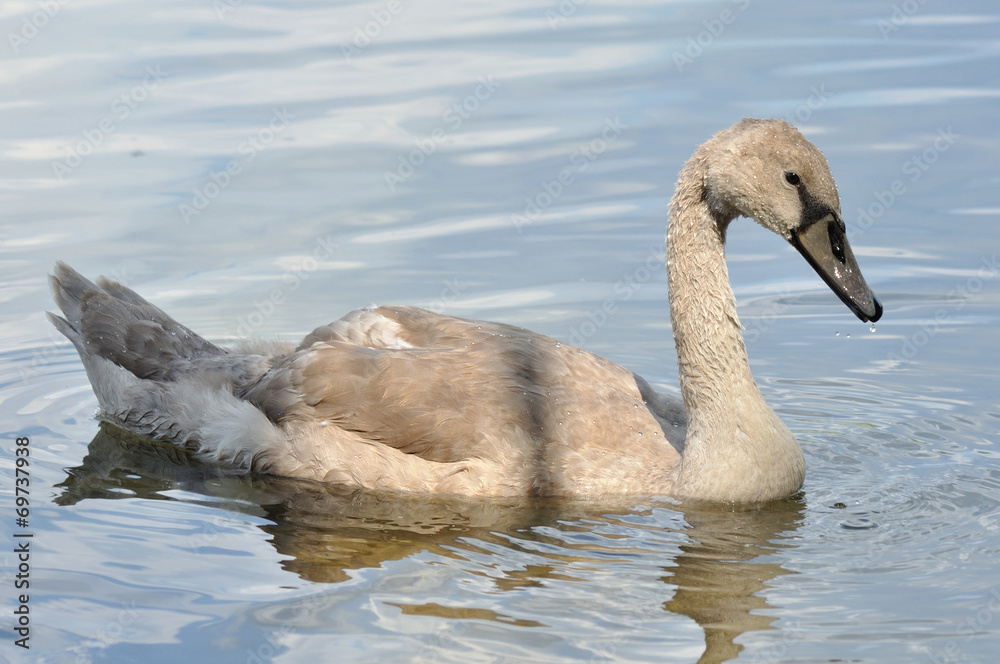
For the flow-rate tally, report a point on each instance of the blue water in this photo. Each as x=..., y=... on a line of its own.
x=259, y=169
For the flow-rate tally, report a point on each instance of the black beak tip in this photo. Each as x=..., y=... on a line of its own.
x=878, y=310
x=866, y=317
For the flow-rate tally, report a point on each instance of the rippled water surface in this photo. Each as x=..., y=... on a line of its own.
x=257, y=169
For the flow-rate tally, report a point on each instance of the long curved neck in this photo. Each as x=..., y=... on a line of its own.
x=712, y=358
x=736, y=447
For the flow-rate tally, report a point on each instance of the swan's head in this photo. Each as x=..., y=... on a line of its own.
x=767, y=170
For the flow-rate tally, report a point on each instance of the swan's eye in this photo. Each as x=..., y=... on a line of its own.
x=792, y=179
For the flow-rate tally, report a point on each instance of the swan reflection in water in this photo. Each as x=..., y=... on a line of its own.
x=713, y=556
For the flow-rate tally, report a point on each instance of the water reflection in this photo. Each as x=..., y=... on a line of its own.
x=711, y=554
x=718, y=575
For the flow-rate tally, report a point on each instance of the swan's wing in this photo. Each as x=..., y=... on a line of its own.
x=435, y=386
x=448, y=390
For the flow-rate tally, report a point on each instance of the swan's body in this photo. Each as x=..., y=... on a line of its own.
x=402, y=398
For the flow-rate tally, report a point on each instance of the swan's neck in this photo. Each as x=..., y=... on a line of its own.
x=736, y=447
x=712, y=357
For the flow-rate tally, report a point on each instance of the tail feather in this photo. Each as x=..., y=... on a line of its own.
x=114, y=322
x=157, y=378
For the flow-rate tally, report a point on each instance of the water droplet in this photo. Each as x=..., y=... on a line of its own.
x=848, y=336
x=838, y=334
x=872, y=328
x=640, y=433
x=558, y=345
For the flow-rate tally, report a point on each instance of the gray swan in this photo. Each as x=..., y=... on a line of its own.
x=400, y=398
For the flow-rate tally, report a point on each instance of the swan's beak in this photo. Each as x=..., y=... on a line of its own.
x=824, y=245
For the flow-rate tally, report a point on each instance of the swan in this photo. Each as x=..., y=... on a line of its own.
x=400, y=398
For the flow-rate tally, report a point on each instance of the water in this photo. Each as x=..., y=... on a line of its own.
x=255, y=170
